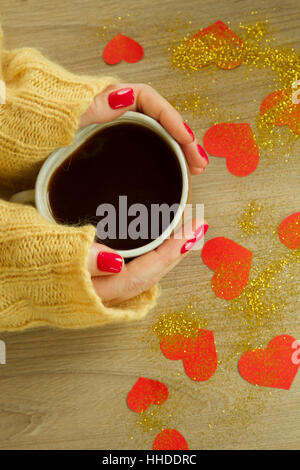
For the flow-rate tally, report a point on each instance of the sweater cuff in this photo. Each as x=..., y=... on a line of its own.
x=44, y=278
x=44, y=104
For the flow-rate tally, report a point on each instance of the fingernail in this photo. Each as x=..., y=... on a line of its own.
x=189, y=130
x=202, y=153
x=109, y=262
x=198, y=234
x=121, y=98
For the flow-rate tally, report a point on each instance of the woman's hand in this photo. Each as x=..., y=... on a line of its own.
x=112, y=279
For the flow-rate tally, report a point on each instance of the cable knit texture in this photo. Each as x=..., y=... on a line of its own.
x=44, y=278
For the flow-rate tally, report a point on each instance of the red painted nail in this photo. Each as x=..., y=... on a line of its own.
x=202, y=153
x=109, y=262
x=198, y=234
x=189, y=130
x=201, y=231
x=121, y=98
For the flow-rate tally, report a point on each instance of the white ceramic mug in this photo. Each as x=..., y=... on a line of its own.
x=39, y=195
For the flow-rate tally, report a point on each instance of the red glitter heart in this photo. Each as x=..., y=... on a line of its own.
x=144, y=392
x=289, y=231
x=122, y=48
x=231, y=263
x=276, y=366
x=236, y=143
x=282, y=115
x=170, y=439
x=218, y=36
x=198, y=353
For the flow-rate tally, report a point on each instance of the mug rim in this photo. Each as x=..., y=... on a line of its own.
x=58, y=156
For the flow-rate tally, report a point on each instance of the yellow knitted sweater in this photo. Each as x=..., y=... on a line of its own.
x=44, y=277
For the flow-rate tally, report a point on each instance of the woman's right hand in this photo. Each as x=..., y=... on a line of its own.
x=114, y=281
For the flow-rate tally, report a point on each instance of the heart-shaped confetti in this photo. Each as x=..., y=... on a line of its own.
x=145, y=392
x=272, y=100
x=122, y=48
x=274, y=366
x=197, y=352
x=289, y=231
x=170, y=439
x=216, y=39
x=281, y=110
x=236, y=143
x=231, y=263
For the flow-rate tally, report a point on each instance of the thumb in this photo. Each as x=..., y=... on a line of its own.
x=104, y=261
x=152, y=266
x=109, y=105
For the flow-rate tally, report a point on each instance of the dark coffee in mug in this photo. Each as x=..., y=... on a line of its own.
x=124, y=159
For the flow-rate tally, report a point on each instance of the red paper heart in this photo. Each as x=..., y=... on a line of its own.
x=170, y=439
x=284, y=111
x=144, y=392
x=217, y=37
x=273, y=99
x=198, y=353
x=231, y=263
x=122, y=48
x=273, y=366
x=289, y=231
x=236, y=143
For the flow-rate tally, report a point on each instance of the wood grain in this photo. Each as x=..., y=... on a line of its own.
x=67, y=389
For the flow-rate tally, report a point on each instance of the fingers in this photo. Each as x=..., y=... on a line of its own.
x=115, y=101
x=150, y=102
x=196, y=171
x=196, y=160
x=104, y=261
x=145, y=271
x=155, y=264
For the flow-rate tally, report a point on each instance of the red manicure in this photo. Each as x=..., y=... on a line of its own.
x=109, y=262
x=198, y=234
x=121, y=98
x=202, y=153
x=189, y=130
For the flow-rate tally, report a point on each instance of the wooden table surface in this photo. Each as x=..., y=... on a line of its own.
x=67, y=389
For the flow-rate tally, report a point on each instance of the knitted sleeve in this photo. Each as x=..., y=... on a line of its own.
x=44, y=278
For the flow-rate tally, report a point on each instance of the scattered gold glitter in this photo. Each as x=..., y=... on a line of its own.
x=193, y=53
x=269, y=304
x=148, y=422
x=256, y=31
x=184, y=322
x=112, y=27
x=246, y=222
x=156, y=418
x=262, y=303
x=191, y=101
x=196, y=52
